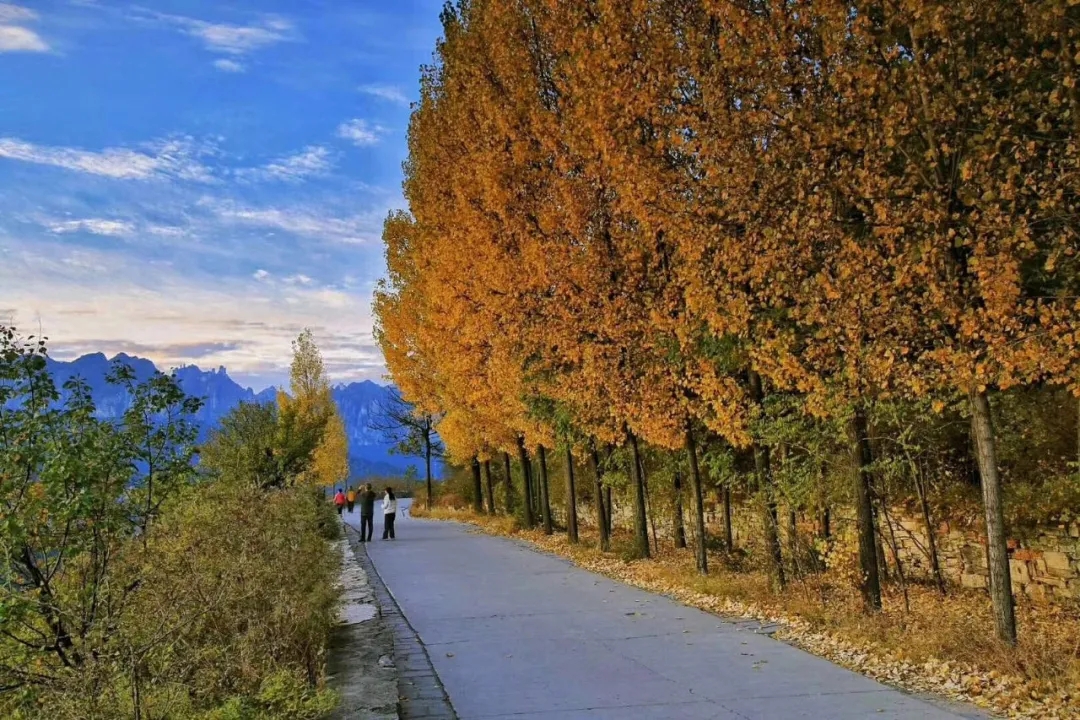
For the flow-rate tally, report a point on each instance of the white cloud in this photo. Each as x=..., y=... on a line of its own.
x=14, y=37
x=95, y=226
x=298, y=280
x=357, y=229
x=14, y=14
x=169, y=231
x=230, y=39
x=360, y=133
x=332, y=298
x=107, y=301
x=312, y=161
x=386, y=92
x=261, y=274
x=173, y=158
x=19, y=39
x=230, y=66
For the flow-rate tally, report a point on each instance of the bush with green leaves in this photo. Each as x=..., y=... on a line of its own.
x=131, y=584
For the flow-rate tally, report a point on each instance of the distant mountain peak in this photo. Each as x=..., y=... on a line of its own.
x=357, y=402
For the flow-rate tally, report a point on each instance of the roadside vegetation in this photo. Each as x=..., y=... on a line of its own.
x=137, y=583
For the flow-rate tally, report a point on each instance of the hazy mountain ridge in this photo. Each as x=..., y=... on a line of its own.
x=357, y=402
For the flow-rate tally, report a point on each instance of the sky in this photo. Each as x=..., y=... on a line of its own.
x=196, y=181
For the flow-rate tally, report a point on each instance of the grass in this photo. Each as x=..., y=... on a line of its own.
x=942, y=645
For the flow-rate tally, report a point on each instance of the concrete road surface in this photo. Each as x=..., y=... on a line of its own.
x=514, y=633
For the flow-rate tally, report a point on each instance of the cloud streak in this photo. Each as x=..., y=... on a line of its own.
x=312, y=161
x=357, y=229
x=229, y=39
x=388, y=93
x=13, y=36
x=229, y=66
x=173, y=158
x=19, y=39
x=360, y=133
x=94, y=226
x=10, y=13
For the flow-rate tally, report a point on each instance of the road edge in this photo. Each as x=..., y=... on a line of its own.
x=420, y=690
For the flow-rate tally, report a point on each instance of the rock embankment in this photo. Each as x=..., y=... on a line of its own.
x=361, y=663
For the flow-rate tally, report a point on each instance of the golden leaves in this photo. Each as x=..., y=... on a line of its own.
x=599, y=197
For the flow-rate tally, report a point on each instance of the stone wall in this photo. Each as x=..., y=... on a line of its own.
x=1044, y=561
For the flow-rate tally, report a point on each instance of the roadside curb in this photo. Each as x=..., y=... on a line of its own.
x=360, y=664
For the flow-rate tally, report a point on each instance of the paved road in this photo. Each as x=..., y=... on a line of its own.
x=513, y=633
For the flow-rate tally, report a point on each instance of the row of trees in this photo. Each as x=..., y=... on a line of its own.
x=641, y=222
x=138, y=582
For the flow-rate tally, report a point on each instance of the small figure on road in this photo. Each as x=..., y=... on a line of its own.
x=367, y=513
x=339, y=501
x=389, y=509
x=350, y=498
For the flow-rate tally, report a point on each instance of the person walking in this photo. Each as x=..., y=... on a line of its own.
x=389, y=509
x=367, y=513
x=339, y=501
x=350, y=499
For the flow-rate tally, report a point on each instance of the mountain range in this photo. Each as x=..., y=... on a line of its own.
x=358, y=402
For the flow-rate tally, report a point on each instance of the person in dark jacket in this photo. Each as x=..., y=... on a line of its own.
x=367, y=513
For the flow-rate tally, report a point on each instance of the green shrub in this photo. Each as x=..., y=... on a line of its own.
x=131, y=588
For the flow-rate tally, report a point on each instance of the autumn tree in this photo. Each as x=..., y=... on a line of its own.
x=308, y=418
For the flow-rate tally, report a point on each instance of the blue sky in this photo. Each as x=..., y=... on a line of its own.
x=195, y=181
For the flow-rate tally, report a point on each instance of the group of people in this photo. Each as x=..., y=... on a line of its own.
x=366, y=497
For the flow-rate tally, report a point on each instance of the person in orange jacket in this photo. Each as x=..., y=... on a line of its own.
x=350, y=498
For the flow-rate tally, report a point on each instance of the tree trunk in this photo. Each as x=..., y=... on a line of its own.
x=523, y=458
x=870, y=584
x=534, y=487
x=792, y=520
x=509, y=484
x=879, y=547
x=729, y=536
x=763, y=470
x=793, y=541
x=931, y=535
x=490, y=489
x=478, y=487
x=680, y=528
x=545, y=500
x=571, y=497
x=895, y=547
x=427, y=465
x=641, y=520
x=826, y=523
x=701, y=555
x=648, y=508
x=609, y=509
x=601, y=516
x=997, y=545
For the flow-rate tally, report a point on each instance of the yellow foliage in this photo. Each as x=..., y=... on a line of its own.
x=310, y=417
x=330, y=463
